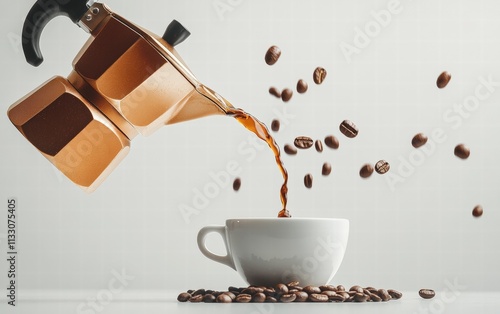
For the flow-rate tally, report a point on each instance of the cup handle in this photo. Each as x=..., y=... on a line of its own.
x=202, y=234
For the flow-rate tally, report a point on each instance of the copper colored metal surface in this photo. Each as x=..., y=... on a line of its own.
x=70, y=132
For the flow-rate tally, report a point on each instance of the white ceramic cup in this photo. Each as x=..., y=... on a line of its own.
x=268, y=251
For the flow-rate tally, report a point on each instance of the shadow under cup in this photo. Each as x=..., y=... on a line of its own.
x=268, y=251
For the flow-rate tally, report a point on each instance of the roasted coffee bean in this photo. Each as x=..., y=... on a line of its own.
x=443, y=79
x=327, y=169
x=208, y=298
x=199, y=291
x=419, y=140
x=340, y=288
x=462, y=151
x=286, y=95
x=328, y=288
x=301, y=296
x=329, y=294
x=366, y=171
x=361, y=297
x=232, y=288
x=269, y=291
x=302, y=86
x=236, y=184
x=272, y=55
x=275, y=125
x=224, y=298
x=308, y=180
x=311, y=289
x=375, y=298
x=426, y=293
x=477, y=211
x=209, y=291
x=196, y=298
x=281, y=288
x=319, y=146
x=191, y=291
x=348, y=128
x=217, y=293
x=293, y=283
x=231, y=294
x=396, y=295
x=287, y=298
x=356, y=288
x=382, y=166
x=317, y=297
x=384, y=295
x=292, y=290
x=271, y=299
x=243, y=298
x=290, y=150
x=303, y=142
x=259, y=297
x=249, y=290
x=319, y=75
x=275, y=92
x=337, y=298
x=298, y=288
x=332, y=142
x=183, y=297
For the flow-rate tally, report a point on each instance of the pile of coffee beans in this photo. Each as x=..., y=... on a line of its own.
x=291, y=292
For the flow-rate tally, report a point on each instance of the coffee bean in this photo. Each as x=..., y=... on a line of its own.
x=343, y=294
x=236, y=184
x=281, y=288
x=328, y=288
x=301, y=296
x=348, y=128
x=311, y=289
x=272, y=55
x=332, y=142
x=249, y=290
x=303, y=142
x=191, y=291
x=302, y=86
x=319, y=75
x=426, y=293
x=230, y=294
x=477, y=211
x=443, y=79
x=287, y=298
x=462, y=151
x=329, y=294
x=183, y=297
x=199, y=291
x=275, y=125
x=396, y=295
x=275, y=92
x=208, y=298
x=259, y=297
x=384, y=295
x=224, y=298
x=286, y=95
x=271, y=299
x=232, y=288
x=243, y=298
x=290, y=150
x=356, y=288
x=419, y=140
x=308, y=180
x=337, y=298
x=366, y=171
x=269, y=291
x=361, y=297
x=316, y=297
x=382, y=166
x=319, y=146
x=196, y=298
x=293, y=284
x=327, y=169
x=375, y=298
x=340, y=288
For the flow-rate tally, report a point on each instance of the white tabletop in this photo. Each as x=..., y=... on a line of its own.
x=165, y=302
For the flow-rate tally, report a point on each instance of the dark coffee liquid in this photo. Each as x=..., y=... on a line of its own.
x=259, y=129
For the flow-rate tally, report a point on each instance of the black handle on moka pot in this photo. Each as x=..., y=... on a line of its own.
x=40, y=14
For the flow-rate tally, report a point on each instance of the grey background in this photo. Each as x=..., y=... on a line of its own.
x=406, y=234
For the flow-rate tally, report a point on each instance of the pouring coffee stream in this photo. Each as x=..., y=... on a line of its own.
x=125, y=81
